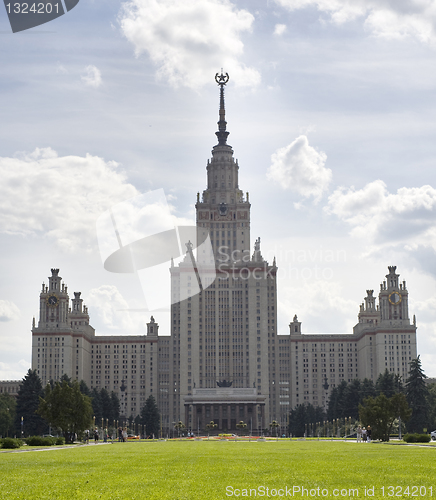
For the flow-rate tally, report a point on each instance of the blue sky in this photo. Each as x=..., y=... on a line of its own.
x=331, y=113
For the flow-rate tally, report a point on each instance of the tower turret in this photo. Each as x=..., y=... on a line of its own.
x=393, y=300
x=79, y=313
x=53, y=300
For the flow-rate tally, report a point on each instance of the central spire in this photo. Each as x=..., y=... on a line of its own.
x=222, y=132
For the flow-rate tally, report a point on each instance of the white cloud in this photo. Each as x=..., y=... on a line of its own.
x=279, y=29
x=14, y=370
x=92, y=77
x=384, y=18
x=190, y=41
x=8, y=311
x=332, y=314
x=58, y=197
x=426, y=310
x=61, y=69
x=107, y=303
x=373, y=213
x=300, y=167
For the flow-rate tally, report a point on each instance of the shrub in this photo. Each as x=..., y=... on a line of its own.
x=11, y=443
x=60, y=441
x=40, y=441
x=417, y=438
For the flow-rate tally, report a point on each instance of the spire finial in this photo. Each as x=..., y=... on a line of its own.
x=222, y=134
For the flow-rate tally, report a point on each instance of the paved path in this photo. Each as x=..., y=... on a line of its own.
x=52, y=448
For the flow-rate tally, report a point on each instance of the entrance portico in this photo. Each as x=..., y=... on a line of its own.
x=226, y=406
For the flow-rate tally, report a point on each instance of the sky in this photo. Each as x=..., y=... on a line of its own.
x=331, y=112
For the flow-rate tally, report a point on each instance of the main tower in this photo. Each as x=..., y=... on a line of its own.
x=223, y=339
x=222, y=210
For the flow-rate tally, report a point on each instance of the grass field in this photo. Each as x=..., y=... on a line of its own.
x=192, y=470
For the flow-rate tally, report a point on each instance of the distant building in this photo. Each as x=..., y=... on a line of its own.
x=10, y=387
x=223, y=358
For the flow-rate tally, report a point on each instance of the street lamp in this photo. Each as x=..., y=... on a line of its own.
x=400, y=381
x=326, y=388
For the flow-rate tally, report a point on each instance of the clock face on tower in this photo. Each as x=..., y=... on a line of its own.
x=394, y=298
x=52, y=300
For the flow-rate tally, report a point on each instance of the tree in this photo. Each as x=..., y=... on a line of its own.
x=115, y=403
x=417, y=396
x=344, y=399
x=367, y=389
x=274, y=424
x=27, y=403
x=381, y=412
x=137, y=424
x=336, y=401
x=105, y=405
x=180, y=426
x=84, y=389
x=386, y=383
x=150, y=417
x=67, y=379
x=352, y=397
x=96, y=404
x=302, y=415
x=7, y=414
x=66, y=408
x=212, y=425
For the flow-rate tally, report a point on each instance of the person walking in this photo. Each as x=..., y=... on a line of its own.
x=359, y=434
x=364, y=435
x=96, y=436
x=368, y=434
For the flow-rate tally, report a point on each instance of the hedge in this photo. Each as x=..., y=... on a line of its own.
x=417, y=438
x=11, y=443
x=44, y=441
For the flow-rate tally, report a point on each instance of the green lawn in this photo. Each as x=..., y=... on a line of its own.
x=203, y=470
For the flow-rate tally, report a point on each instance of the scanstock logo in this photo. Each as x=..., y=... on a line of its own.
x=141, y=236
x=26, y=15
